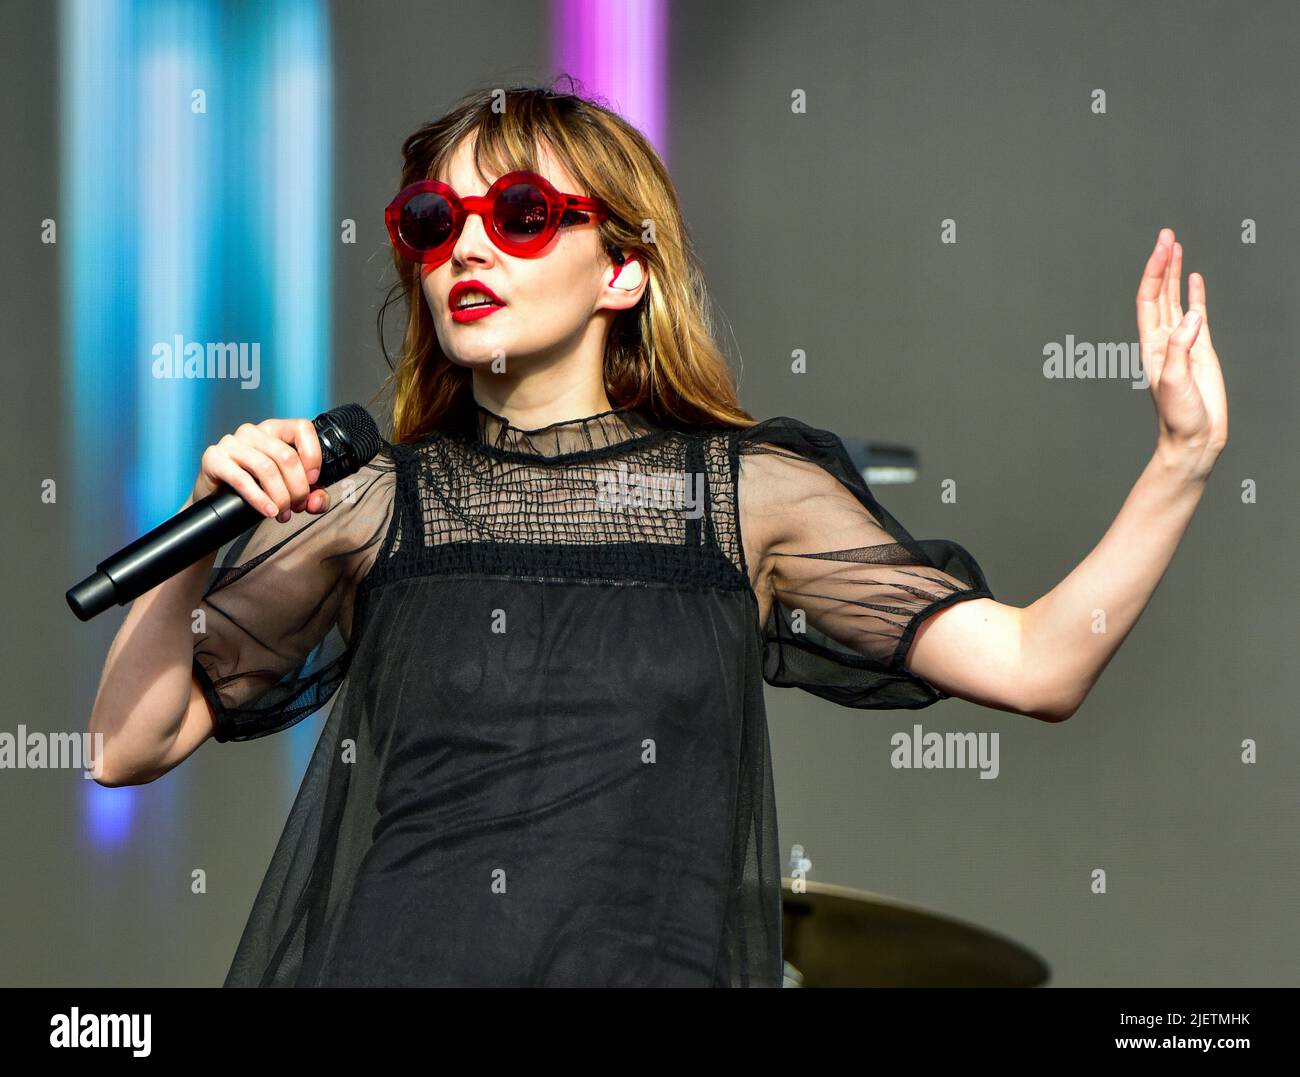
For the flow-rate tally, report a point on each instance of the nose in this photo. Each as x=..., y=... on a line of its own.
x=473, y=243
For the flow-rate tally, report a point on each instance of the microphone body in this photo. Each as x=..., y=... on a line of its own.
x=349, y=440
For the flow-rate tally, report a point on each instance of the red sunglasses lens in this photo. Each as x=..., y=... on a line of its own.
x=425, y=222
x=521, y=212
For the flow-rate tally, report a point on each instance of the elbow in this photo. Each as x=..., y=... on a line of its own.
x=106, y=770
x=1052, y=714
x=1048, y=702
x=109, y=779
x=112, y=776
x=1050, y=695
x=1054, y=709
x=105, y=765
x=112, y=771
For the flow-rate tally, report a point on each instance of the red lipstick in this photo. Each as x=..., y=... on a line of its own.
x=483, y=300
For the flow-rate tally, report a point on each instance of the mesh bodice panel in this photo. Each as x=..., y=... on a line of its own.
x=608, y=497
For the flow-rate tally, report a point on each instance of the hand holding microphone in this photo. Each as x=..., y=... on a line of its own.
x=257, y=472
x=274, y=465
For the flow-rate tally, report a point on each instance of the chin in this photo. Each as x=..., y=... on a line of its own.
x=481, y=357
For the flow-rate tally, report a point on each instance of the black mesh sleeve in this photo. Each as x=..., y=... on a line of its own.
x=850, y=586
x=273, y=640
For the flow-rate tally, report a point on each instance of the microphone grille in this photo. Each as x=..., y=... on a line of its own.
x=349, y=440
x=361, y=430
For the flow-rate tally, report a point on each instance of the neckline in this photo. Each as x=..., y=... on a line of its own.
x=584, y=436
x=486, y=414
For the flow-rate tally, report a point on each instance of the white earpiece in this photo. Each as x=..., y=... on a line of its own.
x=628, y=276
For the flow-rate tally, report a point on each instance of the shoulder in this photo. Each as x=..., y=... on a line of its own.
x=782, y=458
x=787, y=470
x=793, y=439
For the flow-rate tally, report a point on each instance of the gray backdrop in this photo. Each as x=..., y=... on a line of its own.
x=822, y=232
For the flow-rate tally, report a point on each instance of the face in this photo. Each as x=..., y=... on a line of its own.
x=550, y=302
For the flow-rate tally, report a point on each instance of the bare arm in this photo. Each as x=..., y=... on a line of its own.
x=1043, y=660
x=149, y=709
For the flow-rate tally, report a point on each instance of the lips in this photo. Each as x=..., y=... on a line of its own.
x=476, y=290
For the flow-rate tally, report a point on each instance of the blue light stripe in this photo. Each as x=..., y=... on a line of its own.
x=214, y=226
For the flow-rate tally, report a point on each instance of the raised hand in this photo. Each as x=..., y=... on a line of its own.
x=1178, y=354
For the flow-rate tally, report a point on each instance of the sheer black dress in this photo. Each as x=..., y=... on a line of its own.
x=547, y=760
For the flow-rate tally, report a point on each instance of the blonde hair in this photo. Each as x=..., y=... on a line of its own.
x=660, y=356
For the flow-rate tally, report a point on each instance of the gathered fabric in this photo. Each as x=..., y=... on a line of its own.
x=546, y=760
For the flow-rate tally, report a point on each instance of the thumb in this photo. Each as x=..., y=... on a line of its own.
x=1177, y=365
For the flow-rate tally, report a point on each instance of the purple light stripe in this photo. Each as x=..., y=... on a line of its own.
x=617, y=50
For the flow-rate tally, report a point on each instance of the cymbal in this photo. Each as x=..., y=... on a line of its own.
x=835, y=936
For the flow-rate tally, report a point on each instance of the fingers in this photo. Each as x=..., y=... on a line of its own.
x=1174, y=285
x=1196, y=302
x=1180, y=345
x=275, y=466
x=292, y=475
x=300, y=433
x=309, y=452
x=271, y=465
x=236, y=463
x=1162, y=299
x=1149, y=288
x=1196, y=298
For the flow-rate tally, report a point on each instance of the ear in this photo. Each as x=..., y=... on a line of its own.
x=625, y=281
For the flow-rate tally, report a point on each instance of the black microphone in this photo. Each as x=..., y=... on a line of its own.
x=349, y=439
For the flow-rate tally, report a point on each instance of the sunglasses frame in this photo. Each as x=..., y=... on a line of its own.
x=557, y=204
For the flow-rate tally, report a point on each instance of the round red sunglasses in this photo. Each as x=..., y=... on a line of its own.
x=521, y=213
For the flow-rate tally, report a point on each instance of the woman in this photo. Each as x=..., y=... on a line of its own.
x=548, y=606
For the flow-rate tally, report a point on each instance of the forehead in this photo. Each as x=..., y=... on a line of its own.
x=464, y=178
